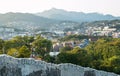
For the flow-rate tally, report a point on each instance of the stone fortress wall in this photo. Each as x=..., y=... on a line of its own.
x=10, y=66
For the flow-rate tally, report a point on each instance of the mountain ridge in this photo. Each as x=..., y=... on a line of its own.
x=60, y=14
x=29, y=20
x=24, y=19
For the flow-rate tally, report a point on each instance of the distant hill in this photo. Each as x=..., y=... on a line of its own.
x=60, y=14
x=27, y=21
x=24, y=19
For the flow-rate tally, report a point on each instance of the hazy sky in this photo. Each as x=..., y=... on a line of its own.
x=33, y=6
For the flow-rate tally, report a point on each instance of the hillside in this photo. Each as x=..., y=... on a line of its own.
x=60, y=14
x=24, y=19
x=27, y=21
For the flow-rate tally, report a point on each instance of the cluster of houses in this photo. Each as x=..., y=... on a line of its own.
x=116, y=35
x=8, y=33
x=103, y=31
x=71, y=44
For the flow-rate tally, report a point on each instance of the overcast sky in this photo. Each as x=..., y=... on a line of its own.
x=32, y=6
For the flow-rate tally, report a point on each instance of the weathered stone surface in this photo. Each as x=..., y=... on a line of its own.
x=10, y=66
x=5, y=71
x=89, y=73
x=53, y=72
x=37, y=73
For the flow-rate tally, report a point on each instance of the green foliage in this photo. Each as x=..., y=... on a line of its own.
x=66, y=48
x=1, y=46
x=24, y=52
x=1, y=43
x=23, y=47
x=13, y=52
x=17, y=42
x=65, y=57
x=49, y=58
x=104, y=54
x=42, y=46
x=76, y=56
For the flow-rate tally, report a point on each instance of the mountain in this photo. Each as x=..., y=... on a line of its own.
x=60, y=14
x=54, y=18
x=27, y=21
x=19, y=20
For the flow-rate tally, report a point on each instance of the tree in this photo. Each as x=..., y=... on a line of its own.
x=83, y=58
x=76, y=56
x=49, y=58
x=24, y=52
x=13, y=52
x=66, y=48
x=1, y=46
x=65, y=57
x=42, y=46
x=17, y=42
x=105, y=54
x=114, y=62
x=1, y=43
